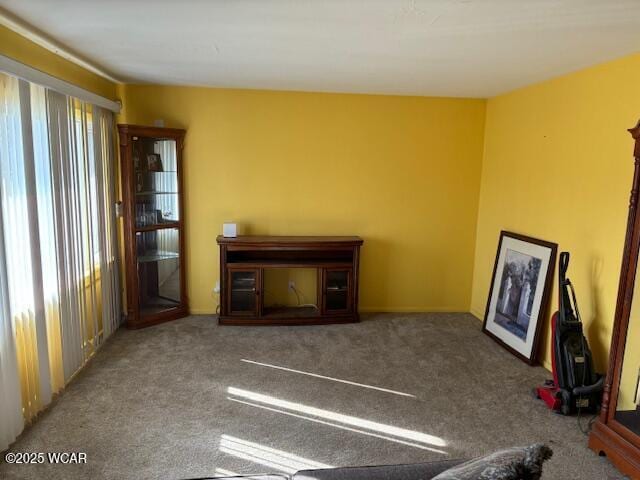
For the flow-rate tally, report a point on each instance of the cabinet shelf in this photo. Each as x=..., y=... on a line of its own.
x=158, y=226
x=150, y=193
x=157, y=256
x=289, y=264
x=290, y=312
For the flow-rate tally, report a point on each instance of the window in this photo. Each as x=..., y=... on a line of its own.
x=58, y=237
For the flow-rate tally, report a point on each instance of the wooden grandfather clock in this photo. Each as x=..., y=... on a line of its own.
x=616, y=434
x=151, y=163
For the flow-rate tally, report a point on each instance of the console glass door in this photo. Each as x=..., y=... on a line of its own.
x=336, y=290
x=243, y=291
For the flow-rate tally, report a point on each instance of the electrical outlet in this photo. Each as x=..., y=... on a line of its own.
x=292, y=285
x=216, y=289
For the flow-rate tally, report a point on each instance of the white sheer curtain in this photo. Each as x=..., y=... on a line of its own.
x=11, y=420
x=58, y=258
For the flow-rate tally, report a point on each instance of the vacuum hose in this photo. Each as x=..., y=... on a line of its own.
x=587, y=389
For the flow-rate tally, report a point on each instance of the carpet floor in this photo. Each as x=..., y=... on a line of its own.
x=190, y=398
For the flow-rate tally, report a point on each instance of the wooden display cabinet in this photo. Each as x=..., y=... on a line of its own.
x=151, y=166
x=616, y=434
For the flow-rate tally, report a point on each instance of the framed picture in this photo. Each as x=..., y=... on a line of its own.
x=154, y=162
x=519, y=293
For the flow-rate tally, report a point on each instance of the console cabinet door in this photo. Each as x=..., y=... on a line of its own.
x=336, y=291
x=243, y=292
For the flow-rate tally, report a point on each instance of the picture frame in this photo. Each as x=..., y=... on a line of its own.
x=154, y=162
x=519, y=293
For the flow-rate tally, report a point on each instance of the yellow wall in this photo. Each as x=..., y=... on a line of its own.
x=558, y=166
x=277, y=292
x=402, y=172
x=25, y=51
x=406, y=174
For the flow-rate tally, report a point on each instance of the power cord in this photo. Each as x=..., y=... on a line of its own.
x=587, y=429
x=298, y=295
x=216, y=297
x=295, y=290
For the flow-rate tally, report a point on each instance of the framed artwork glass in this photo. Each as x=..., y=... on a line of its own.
x=519, y=293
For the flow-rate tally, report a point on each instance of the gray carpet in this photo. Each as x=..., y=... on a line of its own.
x=177, y=400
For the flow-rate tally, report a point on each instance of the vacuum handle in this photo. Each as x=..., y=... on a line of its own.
x=563, y=265
x=564, y=300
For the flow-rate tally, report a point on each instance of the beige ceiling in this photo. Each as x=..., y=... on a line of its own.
x=470, y=48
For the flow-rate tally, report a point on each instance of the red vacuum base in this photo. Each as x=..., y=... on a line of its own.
x=549, y=394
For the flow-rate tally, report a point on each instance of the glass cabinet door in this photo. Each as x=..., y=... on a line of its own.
x=336, y=290
x=155, y=174
x=158, y=265
x=244, y=292
x=628, y=400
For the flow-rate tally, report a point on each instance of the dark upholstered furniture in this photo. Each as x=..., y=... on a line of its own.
x=412, y=471
x=515, y=463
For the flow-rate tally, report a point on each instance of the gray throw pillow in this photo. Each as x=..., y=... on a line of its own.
x=518, y=463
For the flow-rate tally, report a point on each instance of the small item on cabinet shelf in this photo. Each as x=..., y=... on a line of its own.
x=229, y=230
x=154, y=162
x=146, y=217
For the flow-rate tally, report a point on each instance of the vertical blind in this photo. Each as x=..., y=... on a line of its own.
x=59, y=290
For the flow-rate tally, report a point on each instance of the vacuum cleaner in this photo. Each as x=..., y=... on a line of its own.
x=575, y=387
